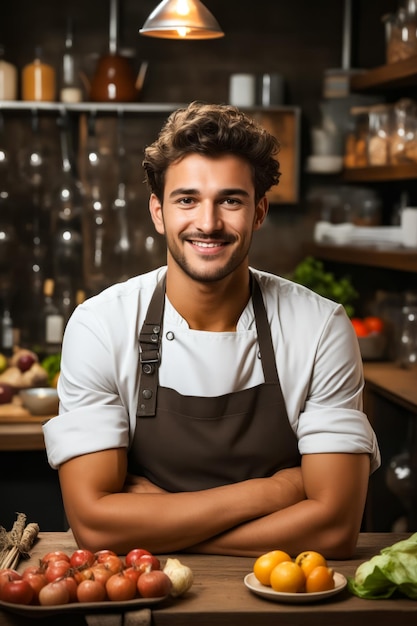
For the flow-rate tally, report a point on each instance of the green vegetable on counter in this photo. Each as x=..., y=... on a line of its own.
x=393, y=570
x=311, y=273
x=52, y=365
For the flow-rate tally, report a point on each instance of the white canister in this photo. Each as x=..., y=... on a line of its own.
x=409, y=227
x=242, y=92
x=8, y=81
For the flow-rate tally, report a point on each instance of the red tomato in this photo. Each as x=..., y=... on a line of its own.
x=101, y=572
x=148, y=562
x=359, y=327
x=102, y=555
x=56, y=555
x=57, y=569
x=133, y=573
x=6, y=575
x=91, y=591
x=374, y=324
x=120, y=587
x=82, y=558
x=134, y=555
x=17, y=592
x=154, y=584
x=113, y=563
x=72, y=585
x=83, y=574
x=54, y=593
x=36, y=579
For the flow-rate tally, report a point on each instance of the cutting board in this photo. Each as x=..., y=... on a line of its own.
x=14, y=413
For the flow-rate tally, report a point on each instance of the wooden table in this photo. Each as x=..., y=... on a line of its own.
x=219, y=597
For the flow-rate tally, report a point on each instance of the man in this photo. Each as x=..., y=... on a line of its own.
x=207, y=406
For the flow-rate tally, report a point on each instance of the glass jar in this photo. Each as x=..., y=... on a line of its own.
x=379, y=135
x=403, y=145
x=402, y=30
x=408, y=340
x=356, y=143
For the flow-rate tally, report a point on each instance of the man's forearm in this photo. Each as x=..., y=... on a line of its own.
x=166, y=522
x=299, y=527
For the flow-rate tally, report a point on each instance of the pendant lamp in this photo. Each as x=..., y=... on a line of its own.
x=181, y=19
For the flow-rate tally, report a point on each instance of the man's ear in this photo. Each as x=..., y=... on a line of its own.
x=261, y=211
x=155, y=209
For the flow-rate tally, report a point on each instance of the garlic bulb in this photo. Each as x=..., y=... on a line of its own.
x=181, y=576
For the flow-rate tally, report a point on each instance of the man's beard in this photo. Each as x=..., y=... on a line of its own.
x=209, y=275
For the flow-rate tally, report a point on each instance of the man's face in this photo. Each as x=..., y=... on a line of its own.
x=208, y=215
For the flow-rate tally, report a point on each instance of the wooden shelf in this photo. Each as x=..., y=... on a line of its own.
x=372, y=257
x=391, y=76
x=93, y=107
x=381, y=173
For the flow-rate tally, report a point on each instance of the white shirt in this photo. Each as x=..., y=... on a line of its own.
x=317, y=353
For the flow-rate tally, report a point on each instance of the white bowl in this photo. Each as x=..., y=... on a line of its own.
x=324, y=164
x=373, y=346
x=40, y=400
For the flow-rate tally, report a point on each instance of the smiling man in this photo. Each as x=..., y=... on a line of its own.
x=209, y=406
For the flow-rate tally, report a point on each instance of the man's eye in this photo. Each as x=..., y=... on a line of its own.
x=186, y=201
x=231, y=201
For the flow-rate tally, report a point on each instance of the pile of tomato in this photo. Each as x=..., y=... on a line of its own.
x=367, y=325
x=84, y=576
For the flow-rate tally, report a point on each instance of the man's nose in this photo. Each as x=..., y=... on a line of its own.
x=209, y=218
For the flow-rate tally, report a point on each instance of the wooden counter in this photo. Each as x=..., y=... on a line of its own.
x=394, y=383
x=19, y=430
x=219, y=596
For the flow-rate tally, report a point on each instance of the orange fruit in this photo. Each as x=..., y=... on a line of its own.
x=287, y=577
x=265, y=563
x=320, y=579
x=309, y=559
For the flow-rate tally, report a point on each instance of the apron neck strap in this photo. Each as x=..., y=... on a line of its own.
x=266, y=347
x=150, y=352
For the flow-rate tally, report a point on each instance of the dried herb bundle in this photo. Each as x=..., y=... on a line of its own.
x=17, y=543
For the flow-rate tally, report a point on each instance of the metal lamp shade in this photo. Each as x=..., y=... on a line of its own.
x=181, y=19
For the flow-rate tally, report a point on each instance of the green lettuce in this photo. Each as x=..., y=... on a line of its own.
x=393, y=570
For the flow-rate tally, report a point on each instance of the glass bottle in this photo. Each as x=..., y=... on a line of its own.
x=8, y=78
x=38, y=80
x=71, y=87
x=6, y=333
x=52, y=321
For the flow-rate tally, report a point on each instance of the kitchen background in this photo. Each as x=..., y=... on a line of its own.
x=302, y=42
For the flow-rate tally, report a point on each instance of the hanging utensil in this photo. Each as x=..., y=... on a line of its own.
x=123, y=246
x=114, y=79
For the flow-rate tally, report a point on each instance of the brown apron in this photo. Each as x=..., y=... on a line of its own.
x=188, y=443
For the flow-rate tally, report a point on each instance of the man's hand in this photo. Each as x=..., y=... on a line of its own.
x=140, y=484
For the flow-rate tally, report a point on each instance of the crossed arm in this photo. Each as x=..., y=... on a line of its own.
x=318, y=506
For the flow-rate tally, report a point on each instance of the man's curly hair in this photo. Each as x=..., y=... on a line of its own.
x=212, y=130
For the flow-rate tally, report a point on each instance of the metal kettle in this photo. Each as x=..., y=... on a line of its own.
x=114, y=79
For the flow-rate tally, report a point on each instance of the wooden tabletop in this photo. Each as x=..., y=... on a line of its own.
x=219, y=596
